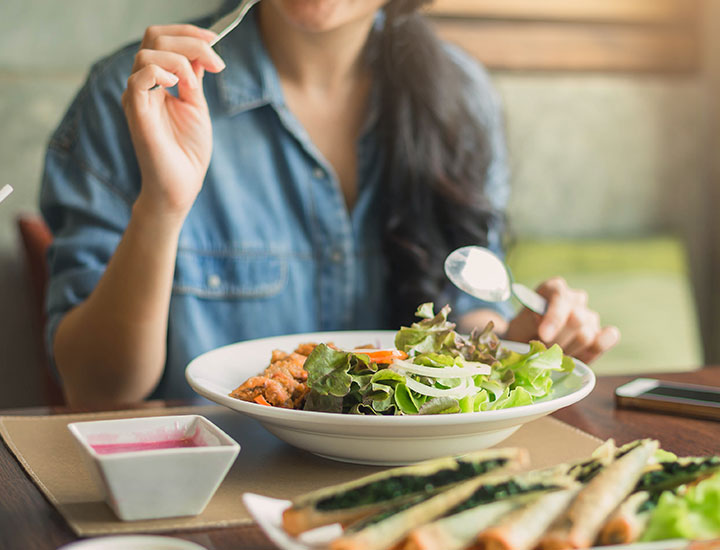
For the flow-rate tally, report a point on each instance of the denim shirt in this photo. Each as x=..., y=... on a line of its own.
x=269, y=246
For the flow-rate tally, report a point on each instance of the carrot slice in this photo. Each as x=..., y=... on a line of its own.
x=382, y=355
x=260, y=400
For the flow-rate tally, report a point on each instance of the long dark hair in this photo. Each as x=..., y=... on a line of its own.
x=437, y=159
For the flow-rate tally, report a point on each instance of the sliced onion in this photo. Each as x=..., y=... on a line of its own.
x=440, y=372
x=461, y=391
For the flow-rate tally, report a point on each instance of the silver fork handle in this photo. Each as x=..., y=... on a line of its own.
x=225, y=24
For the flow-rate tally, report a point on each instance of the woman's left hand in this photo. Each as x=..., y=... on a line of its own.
x=568, y=322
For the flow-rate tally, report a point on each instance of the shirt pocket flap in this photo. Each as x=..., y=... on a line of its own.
x=229, y=275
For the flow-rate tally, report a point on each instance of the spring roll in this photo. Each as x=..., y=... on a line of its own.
x=351, y=501
x=522, y=528
x=386, y=529
x=628, y=522
x=460, y=527
x=496, y=496
x=456, y=532
x=584, y=470
x=580, y=524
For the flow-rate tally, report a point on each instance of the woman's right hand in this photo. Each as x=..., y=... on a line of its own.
x=172, y=136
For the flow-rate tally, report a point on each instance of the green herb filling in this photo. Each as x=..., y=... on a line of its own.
x=394, y=487
x=490, y=493
x=672, y=474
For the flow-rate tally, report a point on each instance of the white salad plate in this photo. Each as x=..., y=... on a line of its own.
x=381, y=440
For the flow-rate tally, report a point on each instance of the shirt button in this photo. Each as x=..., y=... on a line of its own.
x=214, y=281
x=336, y=257
x=318, y=173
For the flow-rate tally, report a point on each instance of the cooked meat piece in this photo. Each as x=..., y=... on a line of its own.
x=277, y=395
x=283, y=383
x=305, y=349
x=292, y=365
x=277, y=355
x=286, y=380
x=272, y=390
x=299, y=395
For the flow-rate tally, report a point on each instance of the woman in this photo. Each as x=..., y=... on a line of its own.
x=315, y=180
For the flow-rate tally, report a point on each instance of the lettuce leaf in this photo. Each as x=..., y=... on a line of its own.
x=408, y=402
x=348, y=382
x=316, y=401
x=533, y=370
x=329, y=375
x=689, y=514
x=440, y=405
x=433, y=334
x=516, y=397
x=381, y=393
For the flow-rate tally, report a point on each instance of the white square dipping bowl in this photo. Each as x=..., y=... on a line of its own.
x=156, y=467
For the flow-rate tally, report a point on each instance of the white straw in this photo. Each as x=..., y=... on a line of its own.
x=5, y=192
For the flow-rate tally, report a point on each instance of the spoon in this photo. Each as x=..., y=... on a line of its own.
x=480, y=273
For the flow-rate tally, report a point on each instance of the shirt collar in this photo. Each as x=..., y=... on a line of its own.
x=249, y=79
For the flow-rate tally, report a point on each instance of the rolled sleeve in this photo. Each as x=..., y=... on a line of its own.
x=90, y=180
x=87, y=220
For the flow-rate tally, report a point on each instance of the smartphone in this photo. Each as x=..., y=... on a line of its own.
x=670, y=397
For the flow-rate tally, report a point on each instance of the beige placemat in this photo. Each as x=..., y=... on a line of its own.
x=265, y=465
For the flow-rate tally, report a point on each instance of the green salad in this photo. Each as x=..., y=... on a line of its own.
x=690, y=512
x=433, y=370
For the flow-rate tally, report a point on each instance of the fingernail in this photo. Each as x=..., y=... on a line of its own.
x=174, y=79
x=221, y=64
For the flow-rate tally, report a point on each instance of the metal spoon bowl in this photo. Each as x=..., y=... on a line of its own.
x=482, y=274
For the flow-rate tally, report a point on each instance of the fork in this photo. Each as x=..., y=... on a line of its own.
x=5, y=192
x=226, y=23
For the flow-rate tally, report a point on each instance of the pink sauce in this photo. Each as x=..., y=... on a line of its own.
x=112, y=448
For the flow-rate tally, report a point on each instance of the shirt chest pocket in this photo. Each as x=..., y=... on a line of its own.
x=230, y=275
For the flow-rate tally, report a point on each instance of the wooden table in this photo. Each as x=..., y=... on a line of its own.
x=29, y=522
